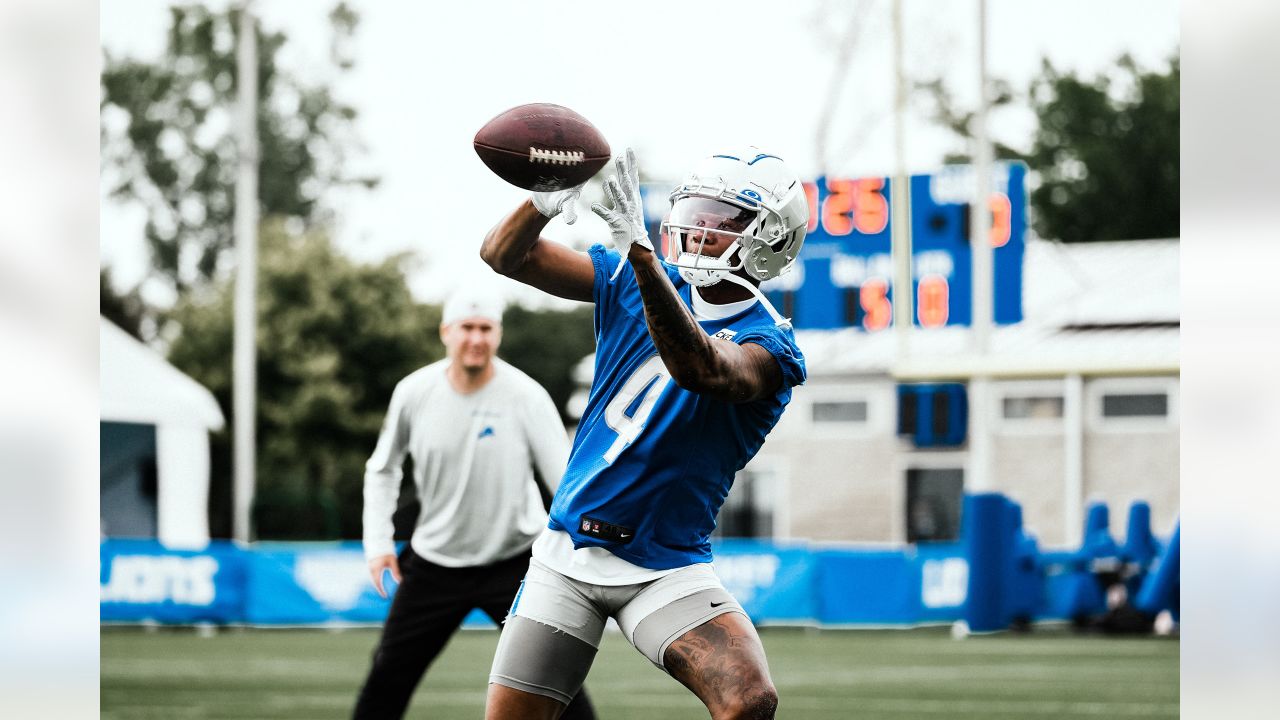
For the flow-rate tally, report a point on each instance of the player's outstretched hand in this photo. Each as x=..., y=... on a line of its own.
x=626, y=217
x=552, y=204
x=378, y=566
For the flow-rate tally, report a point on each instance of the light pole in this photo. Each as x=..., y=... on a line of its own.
x=244, y=378
x=983, y=285
x=899, y=200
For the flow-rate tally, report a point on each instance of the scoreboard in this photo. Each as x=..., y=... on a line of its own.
x=844, y=276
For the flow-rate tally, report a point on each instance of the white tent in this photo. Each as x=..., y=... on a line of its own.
x=137, y=385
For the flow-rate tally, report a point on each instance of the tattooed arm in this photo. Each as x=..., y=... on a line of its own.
x=699, y=363
x=514, y=248
x=709, y=366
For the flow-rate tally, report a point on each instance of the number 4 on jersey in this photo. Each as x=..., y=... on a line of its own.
x=638, y=394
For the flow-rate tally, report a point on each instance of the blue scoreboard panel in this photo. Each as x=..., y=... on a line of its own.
x=845, y=274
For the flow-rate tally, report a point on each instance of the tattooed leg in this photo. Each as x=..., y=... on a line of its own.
x=723, y=663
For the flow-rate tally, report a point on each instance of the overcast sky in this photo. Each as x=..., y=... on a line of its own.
x=674, y=79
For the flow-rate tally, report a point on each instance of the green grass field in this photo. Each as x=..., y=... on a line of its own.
x=173, y=674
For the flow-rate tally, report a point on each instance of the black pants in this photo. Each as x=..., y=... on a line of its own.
x=428, y=607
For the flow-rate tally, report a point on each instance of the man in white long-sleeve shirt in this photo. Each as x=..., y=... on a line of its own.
x=476, y=429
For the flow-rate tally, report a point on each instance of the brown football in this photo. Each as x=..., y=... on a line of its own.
x=542, y=147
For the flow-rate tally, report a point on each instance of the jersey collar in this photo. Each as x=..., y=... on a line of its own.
x=703, y=310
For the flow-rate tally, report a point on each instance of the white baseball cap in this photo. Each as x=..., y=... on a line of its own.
x=471, y=303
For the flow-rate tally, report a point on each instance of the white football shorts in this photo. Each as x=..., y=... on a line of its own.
x=551, y=634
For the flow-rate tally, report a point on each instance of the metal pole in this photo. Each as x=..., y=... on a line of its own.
x=900, y=200
x=246, y=236
x=1073, y=460
x=980, y=210
x=980, y=246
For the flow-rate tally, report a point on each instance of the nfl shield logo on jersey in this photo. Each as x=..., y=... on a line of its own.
x=586, y=525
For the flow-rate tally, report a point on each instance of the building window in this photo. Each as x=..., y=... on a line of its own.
x=851, y=411
x=1132, y=404
x=908, y=412
x=1029, y=407
x=752, y=508
x=1135, y=405
x=1037, y=407
x=933, y=414
x=934, y=499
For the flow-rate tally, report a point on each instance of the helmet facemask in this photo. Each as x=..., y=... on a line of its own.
x=698, y=222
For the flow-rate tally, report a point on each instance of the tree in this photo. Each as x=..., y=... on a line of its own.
x=1107, y=154
x=1105, y=151
x=126, y=310
x=952, y=116
x=334, y=338
x=547, y=344
x=167, y=140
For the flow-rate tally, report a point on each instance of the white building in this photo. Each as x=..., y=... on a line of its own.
x=1083, y=406
x=154, y=451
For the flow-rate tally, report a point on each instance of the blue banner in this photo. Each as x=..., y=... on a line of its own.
x=311, y=584
x=141, y=580
x=898, y=586
x=774, y=583
x=328, y=583
x=993, y=576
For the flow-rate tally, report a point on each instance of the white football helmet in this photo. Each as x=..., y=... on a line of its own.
x=747, y=195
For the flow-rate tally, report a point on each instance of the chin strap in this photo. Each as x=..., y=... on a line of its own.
x=777, y=318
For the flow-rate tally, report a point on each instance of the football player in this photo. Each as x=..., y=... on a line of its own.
x=480, y=432
x=693, y=369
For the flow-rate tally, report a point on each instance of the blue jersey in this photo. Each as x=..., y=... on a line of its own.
x=652, y=463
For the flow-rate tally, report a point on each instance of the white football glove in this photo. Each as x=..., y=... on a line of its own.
x=626, y=218
x=551, y=204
